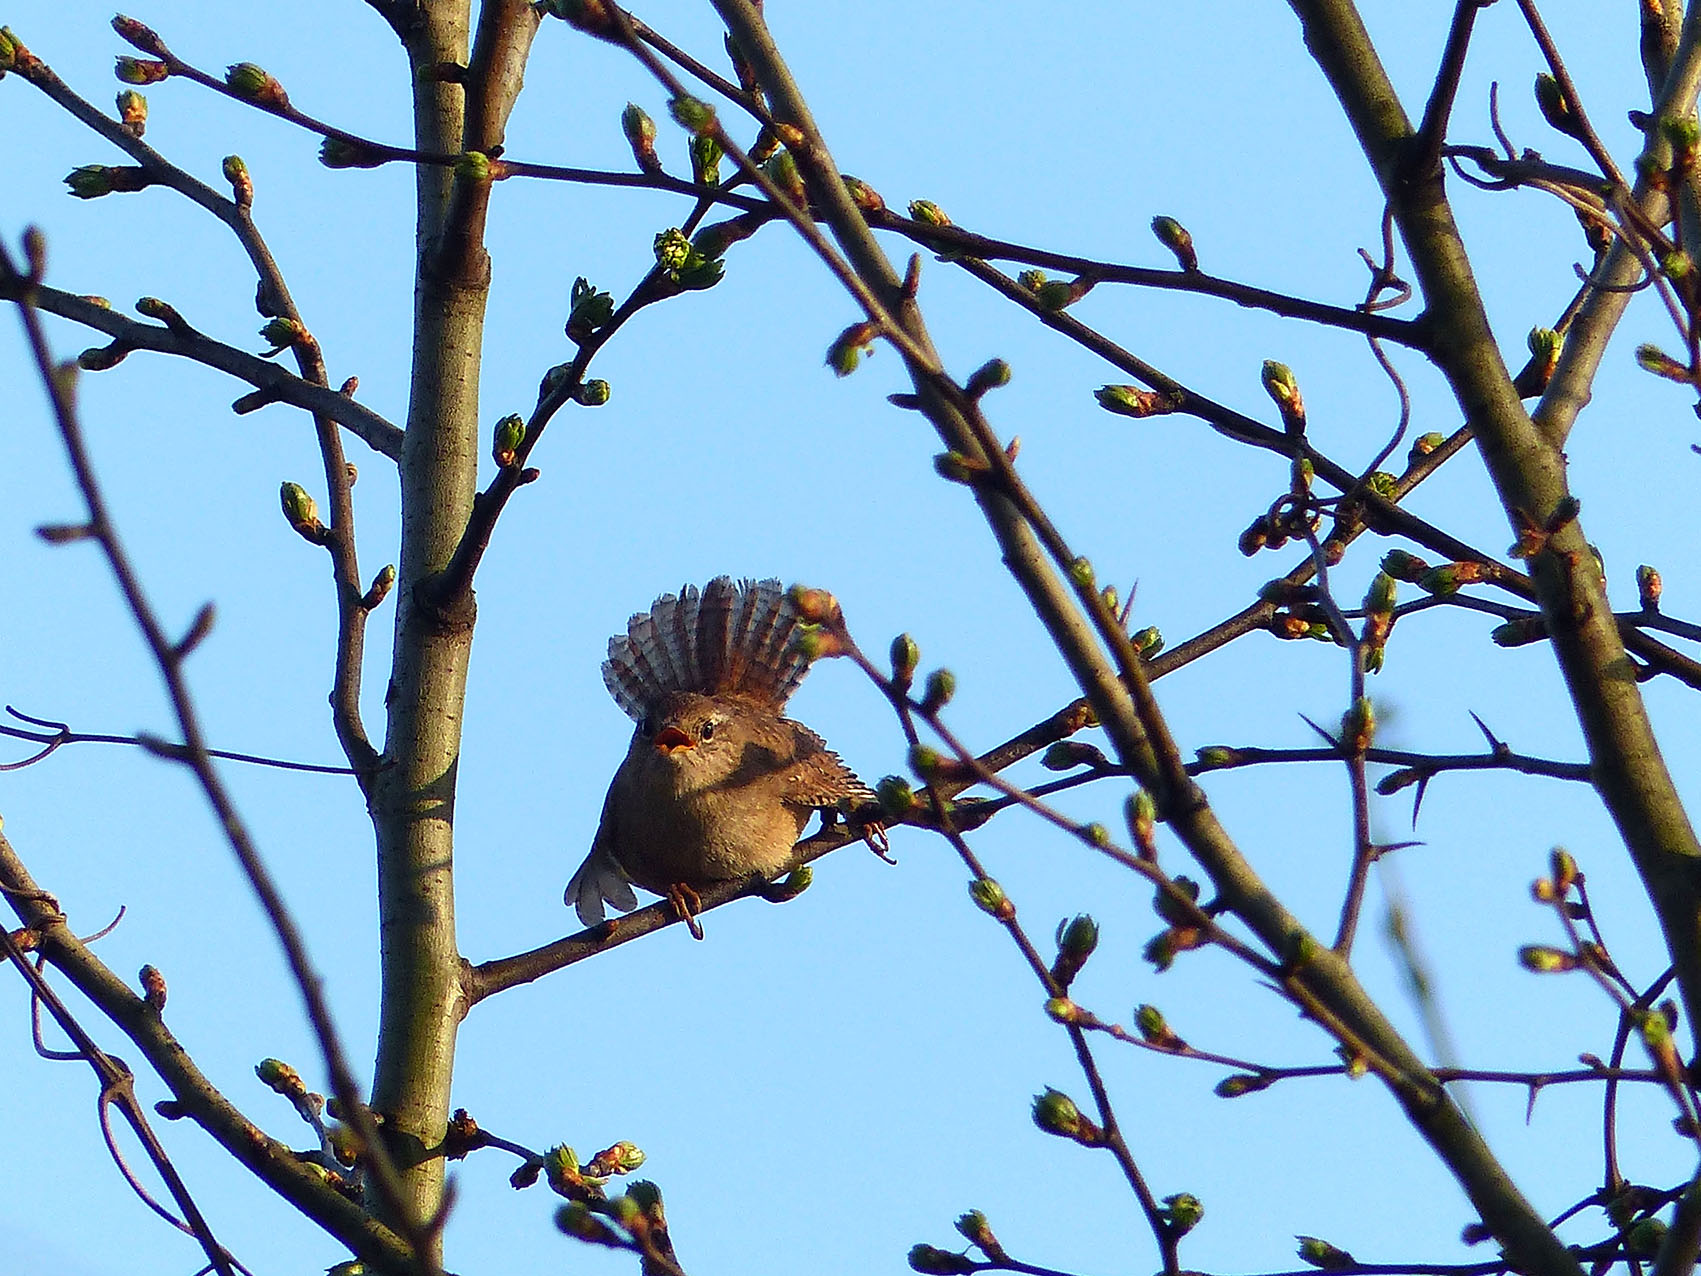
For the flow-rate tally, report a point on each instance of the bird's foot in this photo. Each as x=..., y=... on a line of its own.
x=686, y=905
x=874, y=834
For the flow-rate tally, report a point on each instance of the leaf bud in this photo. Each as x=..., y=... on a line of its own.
x=153, y=988
x=1175, y=237
x=253, y=84
x=1141, y=812
x=1404, y=566
x=989, y=376
x=1423, y=445
x=1564, y=869
x=897, y=798
x=284, y=334
x=864, y=196
x=132, y=112
x=781, y=169
x=1383, y=592
x=1358, y=726
x=592, y=394
x=706, y=159
x=1645, y=1237
x=1650, y=358
x=91, y=181
x=906, y=655
x=1065, y=755
x=1076, y=940
x=1556, y=107
x=640, y=132
x=241, y=181
x=990, y=898
x=1182, y=1212
x=1520, y=632
x=1320, y=1253
x=925, y=760
x=978, y=1232
x=939, y=1262
x=692, y=114
x=577, y=1221
x=1648, y=587
x=1280, y=385
x=301, y=512
x=1148, y=641
x=1238, y=1083
x=1214, y=757
x=140, y=71
x=282, y=1079
x=849, y=346
x=928, y=213
x=1064, y=1010
x=509, y=436
x=1546, y=960
x=941, y=686
x=588, y=310
x=343, y=152
x=1154, y=1028
x=1177, y=903
x=1081, y=572
x=1056, y=1113
x=1131, y=400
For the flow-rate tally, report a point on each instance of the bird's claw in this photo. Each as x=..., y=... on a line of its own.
x=686, y=905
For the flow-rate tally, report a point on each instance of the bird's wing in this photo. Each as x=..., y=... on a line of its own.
x=819, y=777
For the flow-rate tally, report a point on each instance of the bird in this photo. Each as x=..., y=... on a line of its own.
x=717, y=783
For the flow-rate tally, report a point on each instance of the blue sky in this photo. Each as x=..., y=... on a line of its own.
x=833, y=1080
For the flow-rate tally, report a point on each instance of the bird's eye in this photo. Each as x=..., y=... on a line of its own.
x=707, y=730
x=647, y=727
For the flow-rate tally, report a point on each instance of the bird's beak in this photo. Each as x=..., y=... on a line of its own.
x=670, y=740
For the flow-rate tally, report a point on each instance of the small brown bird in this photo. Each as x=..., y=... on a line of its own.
x=717, y=784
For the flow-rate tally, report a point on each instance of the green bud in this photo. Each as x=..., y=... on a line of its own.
x=954, y=466
x=1065, y=755
x=938, y=1262
x=1319, y=1253
x=906, y=655
x=1556, y=107
x=640, y=132
x=1081, y=572
x=300, y=510
x=1403, y=566
x=589, y=309
x=1545, y=345
x=1440, y=581
x=475, y=167
x=1176, y=911
x=509, y=435
x=1520, y=632
x=284, y=334
x=1677, y=264
x=1153, y=1027
x=692, y=114
x=706, y=160
x=1358, y=726
x=1383, y=484
x=1213, y=757
x=1055, y=294
x=1148, y=641
x=1032, y=280
x=252, y=84
x=849, y=346
x=240, y=179
x=941, y=686
x=577, y=1221
x=1141, y=812
x=1564, y=869
x=782, y=170
x=989, y=376
x=1545, y=960
x=925, y=760
x=1056, y=1113
x=646, y=1193
x=1239, y=1083
x=1063, y=1010
x=1097, y=834
x=1650, y=358
x=1283, y=389
x=990, y=898
x=672, y=249
x=342, y=152
x=978, y=1232
x=132, y=112
x=140, y=70
x=1174, y=236
x=592, y=394
x=897, y=798
x=1645, y=1237
x=9, y=46
x=1182, y=1212
x=928, y=213
x=279, y=1077
x=1424, y=445
x=1131, y=400
x=91, y=181
x=862, y=194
